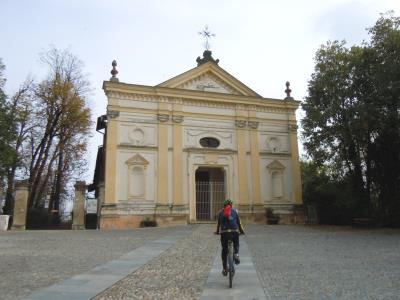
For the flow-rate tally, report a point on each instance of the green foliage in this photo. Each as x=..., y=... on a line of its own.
x=332, y=197
x=44, y=130
x=7, y=129
x=59, y=141
x=352, y=118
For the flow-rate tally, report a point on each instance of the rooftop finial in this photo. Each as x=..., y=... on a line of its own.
x=206, y=58
x=288, y=91
x=114, y=71
x=206, y=33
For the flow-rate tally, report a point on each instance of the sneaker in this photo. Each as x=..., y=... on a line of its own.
x=236, y=259
x=224, y=272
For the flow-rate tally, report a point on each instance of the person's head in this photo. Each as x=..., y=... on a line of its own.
x=228, y=202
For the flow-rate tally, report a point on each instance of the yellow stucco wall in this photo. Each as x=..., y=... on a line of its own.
x=111, y=161
x=172, y=110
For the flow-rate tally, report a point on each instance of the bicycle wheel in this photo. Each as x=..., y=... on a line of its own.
x=231, y=265
x=230, y=278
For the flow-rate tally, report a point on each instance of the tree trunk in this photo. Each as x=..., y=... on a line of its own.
x=58, y=182
x=43, y=153
x=8, y=208
x=9, y=201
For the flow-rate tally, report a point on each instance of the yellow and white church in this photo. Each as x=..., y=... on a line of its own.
x=173, y=152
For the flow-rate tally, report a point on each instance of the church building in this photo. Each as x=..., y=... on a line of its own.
x=173, y=152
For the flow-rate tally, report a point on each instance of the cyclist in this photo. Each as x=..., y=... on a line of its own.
x=229, y=227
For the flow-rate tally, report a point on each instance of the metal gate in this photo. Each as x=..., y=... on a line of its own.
x=209, y=199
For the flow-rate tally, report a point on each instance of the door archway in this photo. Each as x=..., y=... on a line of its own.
x=210, y=192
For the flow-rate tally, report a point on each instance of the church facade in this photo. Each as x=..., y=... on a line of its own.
x=173, y=152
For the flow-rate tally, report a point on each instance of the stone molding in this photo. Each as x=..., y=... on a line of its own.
x=130, y=146
x=252, y=124
x=209, y=150
x=177, y=119
x=243, y=123
x=275, y=166
x=113, y=114
x=275, y=154
x=137, y=160
x=163, y=117
x=292, y=128
x=240, y=123
x=267, y=107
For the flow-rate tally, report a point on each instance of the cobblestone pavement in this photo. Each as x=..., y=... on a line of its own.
x=302, y=262
x=179, y=273
x=293, y=262
x=30, y=260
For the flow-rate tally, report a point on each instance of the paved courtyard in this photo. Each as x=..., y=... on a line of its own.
x=278, y=262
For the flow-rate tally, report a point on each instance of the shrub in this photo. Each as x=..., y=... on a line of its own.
x=147, y=222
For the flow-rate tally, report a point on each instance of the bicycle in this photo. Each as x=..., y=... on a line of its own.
x=231, y=263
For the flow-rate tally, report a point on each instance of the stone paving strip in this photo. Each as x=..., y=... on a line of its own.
x=88, y=285
x=326, y=262
x=246, y=284
x=179, y=273
x=35, y=259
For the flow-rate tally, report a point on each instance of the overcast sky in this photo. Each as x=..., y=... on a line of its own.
x=261, y=43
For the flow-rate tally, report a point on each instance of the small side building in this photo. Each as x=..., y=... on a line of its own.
x=173, y=152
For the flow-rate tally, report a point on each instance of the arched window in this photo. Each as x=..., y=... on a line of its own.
x=209, y=142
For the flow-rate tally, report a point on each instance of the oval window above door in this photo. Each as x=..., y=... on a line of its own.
x=209, y=142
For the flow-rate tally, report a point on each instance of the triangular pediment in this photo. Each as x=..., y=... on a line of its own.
x=276, y=165
x=208, y=82
x=137, y=160
x=209, y=77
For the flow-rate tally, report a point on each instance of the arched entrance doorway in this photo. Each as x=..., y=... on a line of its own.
x=210, y=192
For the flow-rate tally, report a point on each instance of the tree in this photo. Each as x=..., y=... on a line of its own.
x=7, y=132
x=47, y=137
x=332, y=197
x=23, y=115
x=352, y=116
x=386, y=147
x=65, y=120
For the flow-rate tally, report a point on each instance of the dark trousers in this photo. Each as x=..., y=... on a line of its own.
x=225, y=237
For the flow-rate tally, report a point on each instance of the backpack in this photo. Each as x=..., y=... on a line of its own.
x=227, y=212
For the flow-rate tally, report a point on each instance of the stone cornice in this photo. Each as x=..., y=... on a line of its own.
x=125, y=91
x=208, y=150
x=112, y=114
x=275, y=154
x=141, y=147
x=293, y=128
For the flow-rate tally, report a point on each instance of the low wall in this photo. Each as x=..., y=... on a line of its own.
x=128, y=221
x=133, y=221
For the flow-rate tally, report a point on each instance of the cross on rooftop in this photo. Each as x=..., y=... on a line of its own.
x=206, y=33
